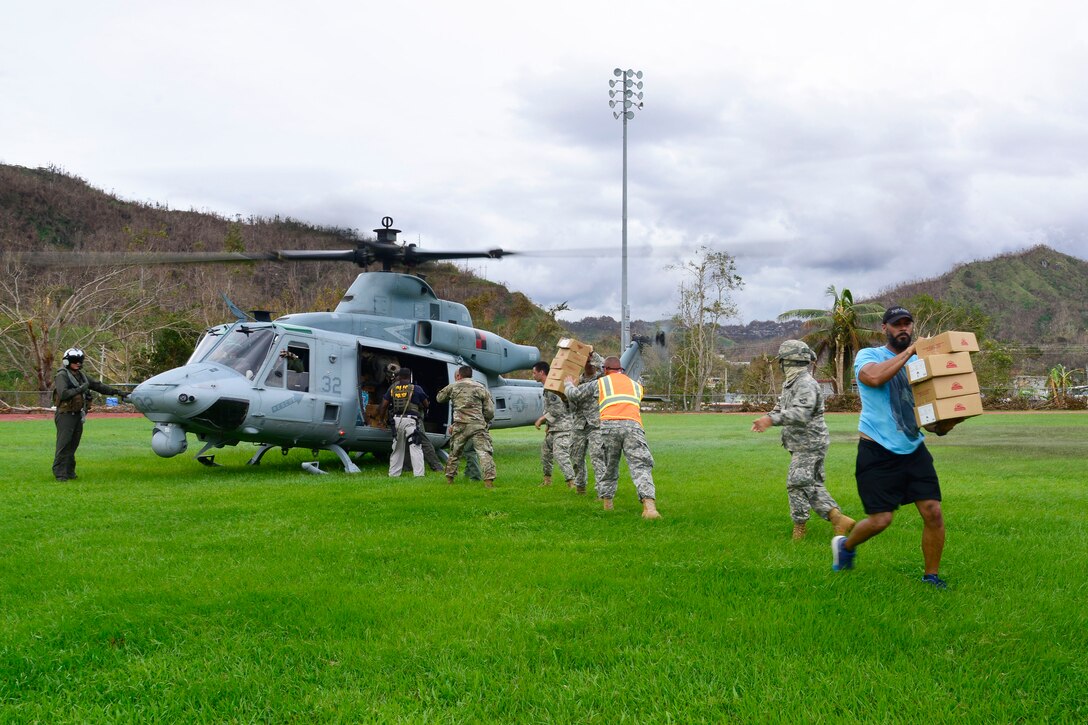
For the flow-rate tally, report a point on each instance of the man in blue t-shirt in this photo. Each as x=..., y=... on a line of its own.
x=893, y=466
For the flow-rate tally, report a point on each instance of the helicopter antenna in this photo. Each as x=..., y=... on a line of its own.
x=234, y=309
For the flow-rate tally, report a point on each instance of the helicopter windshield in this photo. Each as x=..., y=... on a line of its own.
x=244, y=349
x=207, y=341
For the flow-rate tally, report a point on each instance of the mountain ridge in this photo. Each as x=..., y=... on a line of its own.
x=1036, y=295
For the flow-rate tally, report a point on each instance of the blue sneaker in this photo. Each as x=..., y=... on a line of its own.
x=841, y=557
x=935, y=581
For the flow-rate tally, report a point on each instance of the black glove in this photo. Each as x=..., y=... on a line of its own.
x=85, y=387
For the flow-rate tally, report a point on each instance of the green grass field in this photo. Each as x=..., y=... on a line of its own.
x=161, y=590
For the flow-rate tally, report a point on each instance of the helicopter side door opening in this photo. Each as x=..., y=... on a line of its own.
x=377, y=370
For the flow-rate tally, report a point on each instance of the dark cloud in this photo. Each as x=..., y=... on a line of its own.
x=814, y=152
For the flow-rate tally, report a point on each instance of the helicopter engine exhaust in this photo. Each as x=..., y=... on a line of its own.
x=168, y=440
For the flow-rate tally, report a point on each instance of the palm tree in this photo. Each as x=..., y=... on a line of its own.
x=840, y=331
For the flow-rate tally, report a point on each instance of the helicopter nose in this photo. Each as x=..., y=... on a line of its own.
x=176, y=395
x=168, y=399
x=197, y=396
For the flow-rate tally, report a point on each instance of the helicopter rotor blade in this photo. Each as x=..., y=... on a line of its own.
x=641, y=250
x=414, y=255
x=130, y=259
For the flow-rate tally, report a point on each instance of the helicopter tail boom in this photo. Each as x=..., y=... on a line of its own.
x=486, y=351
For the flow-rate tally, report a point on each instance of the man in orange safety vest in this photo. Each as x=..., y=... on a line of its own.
x=618, y=398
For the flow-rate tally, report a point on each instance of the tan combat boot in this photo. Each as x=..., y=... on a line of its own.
x=798, y=531
x=841, y=521
x=449, y=480
x=547, y=481
x=489, y=483
x=649, y=509
x=580, y=490
x=570, y=483
x=607, y=504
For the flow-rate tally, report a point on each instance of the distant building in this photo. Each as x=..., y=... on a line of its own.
x=1030, y=386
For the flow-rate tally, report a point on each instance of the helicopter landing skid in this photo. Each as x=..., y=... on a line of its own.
x=207, y=460
x=310, y=467
x=256, y=460
x=349, y=465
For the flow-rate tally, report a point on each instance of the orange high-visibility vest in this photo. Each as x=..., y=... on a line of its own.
x=618, y=397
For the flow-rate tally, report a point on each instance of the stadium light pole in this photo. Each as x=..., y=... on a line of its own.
x=629, y=94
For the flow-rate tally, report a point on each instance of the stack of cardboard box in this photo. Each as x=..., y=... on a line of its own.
x=944, y=382
x=570, y=359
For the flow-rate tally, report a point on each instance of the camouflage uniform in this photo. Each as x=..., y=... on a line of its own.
x=620, y=437
x=72, y=401
x=556, y=444
x=585, y=433
x=473, y=410
x=626, y=437
x=800, y=412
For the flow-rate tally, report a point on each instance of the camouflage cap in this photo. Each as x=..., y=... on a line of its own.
x=795, y=351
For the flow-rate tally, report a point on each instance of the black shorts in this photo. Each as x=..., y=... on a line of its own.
x=888, y=480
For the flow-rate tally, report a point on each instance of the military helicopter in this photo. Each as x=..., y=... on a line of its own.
x=314, y=380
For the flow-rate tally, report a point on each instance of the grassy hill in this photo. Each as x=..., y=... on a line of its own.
x=1038, y=296
x=50, y=210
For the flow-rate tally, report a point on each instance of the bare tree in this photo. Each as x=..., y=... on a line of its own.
x=41, y=314
x=706, y=301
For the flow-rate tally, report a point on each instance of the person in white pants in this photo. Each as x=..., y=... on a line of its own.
x=408, y=403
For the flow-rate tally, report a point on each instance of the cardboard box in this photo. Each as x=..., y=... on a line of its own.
x=579, y=348
x=962, y=406
x=945, y=386
x=946, y=342
x=570, y=359
x=556, y=380
x=373, y=419
x=934, y=366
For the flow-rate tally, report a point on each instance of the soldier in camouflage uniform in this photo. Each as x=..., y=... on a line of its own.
x=585, y=433
x=555, y=448
x=618, y=398
x=800, y=412
x=473, y=410
x=72, y=402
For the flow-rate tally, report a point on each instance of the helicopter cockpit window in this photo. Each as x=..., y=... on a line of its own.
x=244, y=349
x=207, y=341
x=291, y=369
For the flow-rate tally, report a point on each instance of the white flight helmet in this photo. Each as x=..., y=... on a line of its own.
x=71, y=355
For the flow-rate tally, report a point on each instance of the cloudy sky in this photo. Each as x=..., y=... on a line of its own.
x=860, y=144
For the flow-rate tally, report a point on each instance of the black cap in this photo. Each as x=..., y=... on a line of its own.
x=896, y=313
